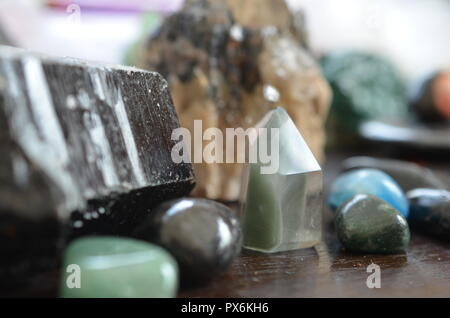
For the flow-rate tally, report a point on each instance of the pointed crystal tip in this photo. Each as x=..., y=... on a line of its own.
x=282, y=210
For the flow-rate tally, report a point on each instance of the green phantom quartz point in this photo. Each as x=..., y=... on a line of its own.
x=118, y=267
x=282, y=211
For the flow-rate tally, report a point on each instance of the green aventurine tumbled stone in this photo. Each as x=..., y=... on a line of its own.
x=368, y=224
x=283, y=210
x=117, y=267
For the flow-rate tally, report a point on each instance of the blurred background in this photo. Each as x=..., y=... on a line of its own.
x=413, y=34
x=401, y=44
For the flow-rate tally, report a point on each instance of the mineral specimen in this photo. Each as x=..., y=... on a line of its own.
x=367, y=224
x=430, y=211
x=430, y=98
x=282, y=210
x=79, y=141
x=110, y=267
x=408, y=175
x=367, y=181
x=204, y=236
x=365, y=86
x=228, y=64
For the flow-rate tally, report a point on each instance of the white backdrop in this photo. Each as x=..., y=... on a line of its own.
x=414, y=34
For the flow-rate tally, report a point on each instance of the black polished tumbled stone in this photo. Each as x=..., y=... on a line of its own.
x=204, y=236
x=367, y=224
x=430, y=211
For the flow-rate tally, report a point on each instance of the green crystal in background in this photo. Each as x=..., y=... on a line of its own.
x=283, y=211
x=365, y=87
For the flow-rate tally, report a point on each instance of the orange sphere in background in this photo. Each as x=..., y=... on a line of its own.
x=441, y=94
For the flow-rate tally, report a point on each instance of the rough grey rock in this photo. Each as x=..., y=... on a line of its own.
x=229, y=62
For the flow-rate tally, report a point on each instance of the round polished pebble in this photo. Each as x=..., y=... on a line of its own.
x=367, y=224
x=204, y=236
x=367, y=181
x=442, y=94
x=430, y=211
x=430, y=98
x=110, y=267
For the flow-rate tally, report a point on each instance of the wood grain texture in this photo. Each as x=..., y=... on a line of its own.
x=424, y=271
x=328, y=271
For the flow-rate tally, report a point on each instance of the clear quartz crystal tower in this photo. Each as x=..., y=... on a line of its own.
x=283, y=210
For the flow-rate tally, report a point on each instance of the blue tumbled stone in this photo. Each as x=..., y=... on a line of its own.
x=367, y=181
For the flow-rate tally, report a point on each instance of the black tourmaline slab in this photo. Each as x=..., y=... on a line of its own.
x=84, y=148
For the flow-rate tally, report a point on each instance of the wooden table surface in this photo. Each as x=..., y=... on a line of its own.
x=328, y=271
x=324, y=271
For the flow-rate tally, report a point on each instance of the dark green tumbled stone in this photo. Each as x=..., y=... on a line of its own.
x=367, y=224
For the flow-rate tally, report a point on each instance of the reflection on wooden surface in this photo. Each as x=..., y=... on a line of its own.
x=328, y=271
